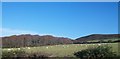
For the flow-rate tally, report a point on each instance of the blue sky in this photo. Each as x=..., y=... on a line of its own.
x=65, y=19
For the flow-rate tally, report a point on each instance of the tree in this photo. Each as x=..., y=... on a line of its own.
x=110, y=41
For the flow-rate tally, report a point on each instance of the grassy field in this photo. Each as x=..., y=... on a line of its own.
x=63, y=50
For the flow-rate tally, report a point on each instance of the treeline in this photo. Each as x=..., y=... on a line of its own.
x=33, y=40
x=101, y=41
x=28, y=40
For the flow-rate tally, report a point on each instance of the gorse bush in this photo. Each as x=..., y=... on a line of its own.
x=99, y=52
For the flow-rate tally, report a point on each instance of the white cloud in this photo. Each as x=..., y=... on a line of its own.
x=9, y=31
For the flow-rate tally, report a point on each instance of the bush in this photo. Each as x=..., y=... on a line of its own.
x=99, y=52
x=38, y=55
x=13, y=53
x=20, y=54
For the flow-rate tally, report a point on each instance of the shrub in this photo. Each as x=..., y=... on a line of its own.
x=110, y=41
x=99, y=52
x=20, y=54
x=38, y=55
x=12, y=54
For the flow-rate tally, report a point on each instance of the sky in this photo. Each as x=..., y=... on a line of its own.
x=62, y=19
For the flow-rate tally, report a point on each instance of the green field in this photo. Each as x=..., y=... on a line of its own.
x=63, y=50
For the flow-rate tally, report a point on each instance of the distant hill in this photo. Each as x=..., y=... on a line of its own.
x=94, y=37
x=36, y=40
x=33, y=40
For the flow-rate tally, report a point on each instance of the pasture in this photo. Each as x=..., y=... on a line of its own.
x=64, y=50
